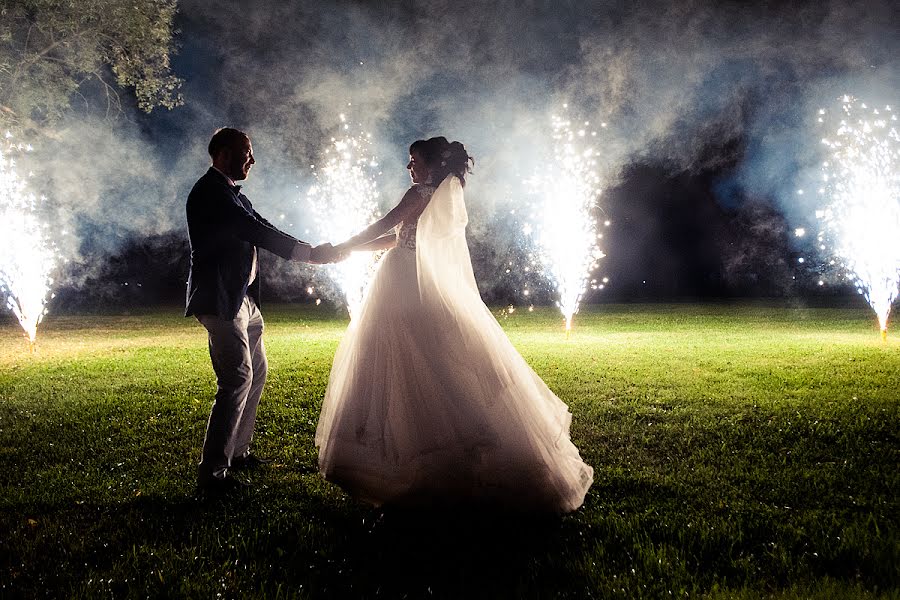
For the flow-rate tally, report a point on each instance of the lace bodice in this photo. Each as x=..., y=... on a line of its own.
x=406, y=232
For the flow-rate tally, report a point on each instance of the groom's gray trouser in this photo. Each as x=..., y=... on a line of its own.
x=239, y=360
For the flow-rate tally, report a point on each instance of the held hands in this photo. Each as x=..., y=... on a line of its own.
x=326, y=253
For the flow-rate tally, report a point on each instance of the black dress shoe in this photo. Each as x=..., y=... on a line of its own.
x=220, y=486
x=251, y=461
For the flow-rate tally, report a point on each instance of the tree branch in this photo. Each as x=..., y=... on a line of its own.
x=26, y=64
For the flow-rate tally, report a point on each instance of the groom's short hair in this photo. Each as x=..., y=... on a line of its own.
x=225, y=137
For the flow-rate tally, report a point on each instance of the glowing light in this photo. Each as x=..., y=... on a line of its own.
x=861, y=213
x=564, y=229
x=343, y=201
x=28, y=257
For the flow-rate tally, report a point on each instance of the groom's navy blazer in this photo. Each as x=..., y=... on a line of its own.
x=223, y=229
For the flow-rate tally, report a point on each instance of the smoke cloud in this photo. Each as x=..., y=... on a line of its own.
x=690, y=87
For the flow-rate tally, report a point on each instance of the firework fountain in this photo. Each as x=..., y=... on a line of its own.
x=562, y=224
x=28, y=256
x=861, y=213
x=344, y=200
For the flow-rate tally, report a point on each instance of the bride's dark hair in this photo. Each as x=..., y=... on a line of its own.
x=443, y=158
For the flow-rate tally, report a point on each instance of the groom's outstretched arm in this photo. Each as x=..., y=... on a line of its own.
x=250, y=226
x=241, y=223
x=304, y=252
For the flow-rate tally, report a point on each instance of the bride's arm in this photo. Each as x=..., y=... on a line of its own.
x=403, y=210
x=382, y=243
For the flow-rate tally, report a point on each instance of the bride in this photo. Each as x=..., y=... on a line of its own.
x=428, y=401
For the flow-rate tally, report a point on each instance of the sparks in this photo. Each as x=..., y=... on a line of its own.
x=564, y=230
x=28, y=257
x=861, y=214
x=344, y=200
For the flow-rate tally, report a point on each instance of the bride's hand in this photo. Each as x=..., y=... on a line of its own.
x=342, y=251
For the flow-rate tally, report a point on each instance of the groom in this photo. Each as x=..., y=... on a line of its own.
x=223, y=293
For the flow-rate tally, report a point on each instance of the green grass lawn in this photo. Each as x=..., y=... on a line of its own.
x=740, y=451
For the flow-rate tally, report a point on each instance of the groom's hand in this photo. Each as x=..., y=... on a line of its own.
x=301, y=252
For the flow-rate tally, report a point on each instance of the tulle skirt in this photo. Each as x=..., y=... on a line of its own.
x=425, y=409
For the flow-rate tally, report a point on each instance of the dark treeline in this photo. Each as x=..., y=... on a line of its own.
x=670, y=238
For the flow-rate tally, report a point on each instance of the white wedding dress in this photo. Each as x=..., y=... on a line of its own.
x=428, y=402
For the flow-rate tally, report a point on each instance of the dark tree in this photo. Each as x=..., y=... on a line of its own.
x=54, y=52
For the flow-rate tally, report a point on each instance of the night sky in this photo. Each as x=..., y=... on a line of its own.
x=710, y=110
